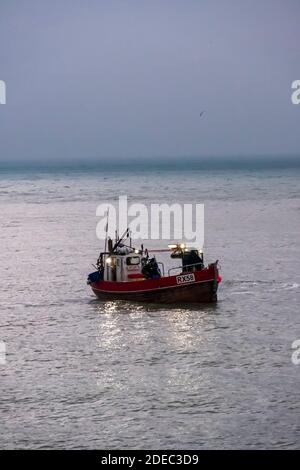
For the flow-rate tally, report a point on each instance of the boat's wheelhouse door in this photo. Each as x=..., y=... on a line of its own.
x=119, y=268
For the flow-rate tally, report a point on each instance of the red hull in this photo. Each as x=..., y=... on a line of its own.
x=199, y=286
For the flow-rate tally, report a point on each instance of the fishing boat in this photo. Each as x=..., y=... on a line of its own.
x=126, y=273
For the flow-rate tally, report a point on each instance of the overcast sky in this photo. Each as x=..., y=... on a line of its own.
x=126, y=79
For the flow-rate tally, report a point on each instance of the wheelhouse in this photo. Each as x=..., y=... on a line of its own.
x=122, y=267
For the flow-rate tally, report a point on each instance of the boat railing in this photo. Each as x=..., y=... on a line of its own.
x=162, y=267
x=184, y=267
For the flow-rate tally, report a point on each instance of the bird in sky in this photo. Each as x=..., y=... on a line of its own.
x=201, y=114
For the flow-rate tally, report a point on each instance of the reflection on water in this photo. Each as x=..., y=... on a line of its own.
x=142, y=345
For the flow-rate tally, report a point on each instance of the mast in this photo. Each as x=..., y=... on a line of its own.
x=106, y=230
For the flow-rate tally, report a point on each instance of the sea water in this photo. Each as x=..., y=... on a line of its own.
x=80, y=373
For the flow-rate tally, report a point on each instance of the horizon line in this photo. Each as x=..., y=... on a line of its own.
x=184, y=163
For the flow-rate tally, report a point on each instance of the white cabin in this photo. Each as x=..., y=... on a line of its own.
x=123, y=267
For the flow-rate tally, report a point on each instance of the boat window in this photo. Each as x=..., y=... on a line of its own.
x=132, y=260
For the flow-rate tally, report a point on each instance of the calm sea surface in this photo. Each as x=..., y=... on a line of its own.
x=84, y=374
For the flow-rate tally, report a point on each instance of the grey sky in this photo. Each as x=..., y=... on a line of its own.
x=96, y=79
